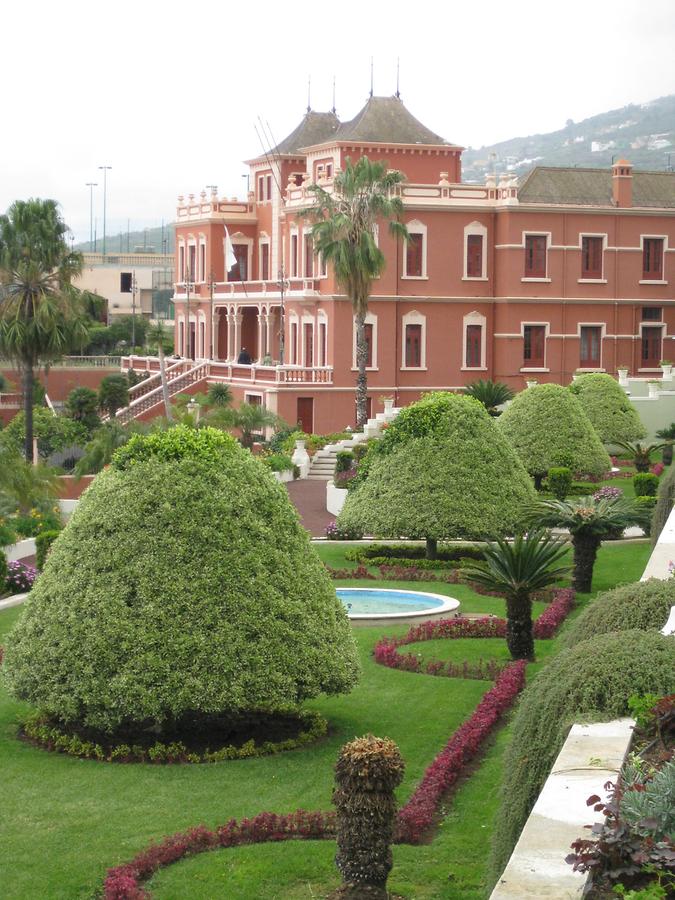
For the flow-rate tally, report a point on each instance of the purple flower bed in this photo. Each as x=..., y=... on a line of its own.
x=20, y=578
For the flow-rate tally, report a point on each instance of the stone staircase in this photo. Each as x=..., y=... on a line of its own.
x=152, y=396
x=322, y=467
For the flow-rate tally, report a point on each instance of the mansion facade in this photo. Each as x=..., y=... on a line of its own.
x=570, y=269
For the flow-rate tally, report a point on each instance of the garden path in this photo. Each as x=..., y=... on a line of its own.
x=309, y=498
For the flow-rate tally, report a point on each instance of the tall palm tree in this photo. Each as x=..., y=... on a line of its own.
x=41, y=314
x=588, y=521
x=517, y=570
x=159, y=337
x=344, y=233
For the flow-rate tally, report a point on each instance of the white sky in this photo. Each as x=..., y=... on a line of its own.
x=169, y=94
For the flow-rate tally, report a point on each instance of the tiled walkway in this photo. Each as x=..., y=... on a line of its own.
x=309, y=498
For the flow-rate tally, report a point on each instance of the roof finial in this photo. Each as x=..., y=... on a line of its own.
x=398, y=72
x=309, y=93
x=371, y=76
x=333, y=109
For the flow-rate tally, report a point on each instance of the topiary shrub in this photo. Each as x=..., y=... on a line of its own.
x=344, y=461
x=608, y=407
x=441, y=471
x=644, y=605
x=182, y=586
x=645, y=484
x=43, y=542
x=548, y=427
x=368, y=771
x=559, y=481
x=591, y=681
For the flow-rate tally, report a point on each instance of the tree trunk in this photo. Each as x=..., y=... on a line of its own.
x=585, y=552
x=361, y=378
x=165, y=387
x=28, y=381
x=538, y=480
x=432, y=548
x=667, y=454
x=519, y=626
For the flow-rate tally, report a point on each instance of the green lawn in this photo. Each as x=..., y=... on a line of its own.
x=65, y=821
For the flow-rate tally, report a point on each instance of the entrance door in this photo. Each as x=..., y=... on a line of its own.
x=651, y=347
x=306, y=414
x=191, y=352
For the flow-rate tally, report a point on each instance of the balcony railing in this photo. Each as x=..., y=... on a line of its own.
x=272, y=374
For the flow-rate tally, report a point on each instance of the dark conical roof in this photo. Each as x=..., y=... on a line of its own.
x=315, y=128
x=386, y=120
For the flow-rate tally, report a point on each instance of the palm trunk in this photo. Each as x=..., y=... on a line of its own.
x=585, y=552
x=539, y=480
x=361, y=378
x=432, y=548
x=28, y=381
x=519, y=638
x=667, y=454
x=165, y=387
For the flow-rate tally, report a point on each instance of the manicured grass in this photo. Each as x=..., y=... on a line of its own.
x=65, y=821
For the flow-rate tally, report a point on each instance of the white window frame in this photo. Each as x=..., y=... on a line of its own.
x=475, y=228
x=371, y=319
x=191, y=242
x=181, y=261
x=293, y=355
x=240, y=239
x=322, y=354
x=264, y=239
x=474, y=318
x=294, y=233
x=307, y=320
x=547, y=329
x=303, y=254
x=200, y=343
x=658, y=237
x=603, y=331
x=201, y=261
x=414, y=318
x=527, y=278
x=416, y=227
x=582, y=235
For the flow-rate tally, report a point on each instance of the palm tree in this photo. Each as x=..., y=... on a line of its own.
x=24, y=486
x=344, y=233
x=641, y=453
x=249, y=419
x=490, y=393
x=667, y=435
x=588, y=521
x=159, y=337
x=517, y=570
x=41, y=313
x=109, y=437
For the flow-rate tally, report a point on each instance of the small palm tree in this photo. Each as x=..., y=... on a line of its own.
x=249, y=419
x=490, y=393
x=344, y=233
x=588, y=521
x=41, y=314
x=219, y=394
x=159, y=337
x=517, y=570
x=641, y=453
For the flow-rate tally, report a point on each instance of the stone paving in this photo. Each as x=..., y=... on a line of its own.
x=309, y=498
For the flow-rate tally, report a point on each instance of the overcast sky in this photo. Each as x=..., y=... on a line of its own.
x=169, y=94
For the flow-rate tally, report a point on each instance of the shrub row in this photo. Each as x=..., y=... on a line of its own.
x=125, y=882
x=50, y=737
x=447, y=552
x=417, y=816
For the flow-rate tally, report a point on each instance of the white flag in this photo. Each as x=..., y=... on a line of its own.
x=230, y=258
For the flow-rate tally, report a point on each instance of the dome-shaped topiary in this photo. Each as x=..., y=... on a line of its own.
x=591, y=681
x=548, y=428
x=644, y=605
x=608, y=407
x=442, y=471
x=183, y=584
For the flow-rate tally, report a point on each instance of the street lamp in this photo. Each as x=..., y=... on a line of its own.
x=105, y=170
x=194, y=409
x=212, y=285
x=283, y=286
x=189, y=285
x=91, y=185
x=134, y=288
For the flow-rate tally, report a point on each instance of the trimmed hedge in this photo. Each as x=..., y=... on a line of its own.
x=397, y=552
x=43, y=542
x=644, y=606
x=592, y=681
x=548, y=427
x=183, y=583
x=605, y=403
x=665, y=499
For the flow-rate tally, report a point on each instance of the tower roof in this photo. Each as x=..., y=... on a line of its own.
x=315, y=128
x=386, y=120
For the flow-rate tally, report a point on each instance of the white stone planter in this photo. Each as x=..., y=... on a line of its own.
x=623, y=377
x=301, y=459
x=667, y=373
x=335, y=498
x=283, y=477
x=388, y=406
x=653, y=390
x=20, y=550
x=530, y=384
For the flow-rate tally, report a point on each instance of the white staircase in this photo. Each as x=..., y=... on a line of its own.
x=153, y=396
x=322, y=467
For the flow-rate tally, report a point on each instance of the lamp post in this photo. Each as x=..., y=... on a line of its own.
x=105, y=170
x=212, y=285
x=283, y=285
x=189, y=285
x=91, y=185
x=134, y=288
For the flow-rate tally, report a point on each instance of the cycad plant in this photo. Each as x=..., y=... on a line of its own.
x=588, y=521
x=667, y=435
x=641, y=453
x=490, y=393
x=517, y=570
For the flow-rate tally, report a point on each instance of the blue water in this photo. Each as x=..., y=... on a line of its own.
x=382, y=601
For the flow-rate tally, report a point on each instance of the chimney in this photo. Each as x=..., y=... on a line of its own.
x=622, y=183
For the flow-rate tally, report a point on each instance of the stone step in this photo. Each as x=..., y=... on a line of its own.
x=315, y=476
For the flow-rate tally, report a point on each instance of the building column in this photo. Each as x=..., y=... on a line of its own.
x=236, y=336
x=268, y=329
x=261, y=333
